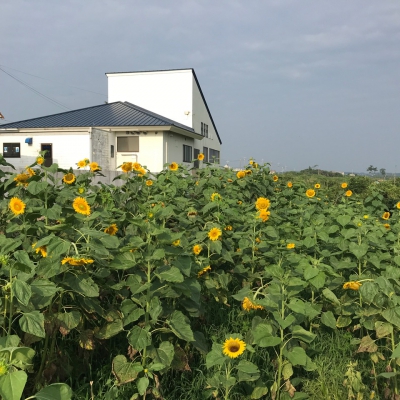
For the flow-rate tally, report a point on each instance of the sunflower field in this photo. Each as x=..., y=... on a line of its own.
x=196, y=284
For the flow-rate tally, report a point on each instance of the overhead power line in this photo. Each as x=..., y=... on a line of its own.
x=35, y=91
x=50, y=80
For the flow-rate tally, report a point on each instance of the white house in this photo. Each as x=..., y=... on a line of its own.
x=152, y=117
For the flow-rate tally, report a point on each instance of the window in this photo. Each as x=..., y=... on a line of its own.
x=205, y=152
x=214, y=156
x=128, y=144
x=204, y=130
x=112, y=151
x=187, y=153
x=11, y=150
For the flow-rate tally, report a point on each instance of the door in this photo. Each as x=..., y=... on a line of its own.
x=48, y=156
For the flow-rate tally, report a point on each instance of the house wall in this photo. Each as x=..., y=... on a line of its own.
x=168, y=93
x=68, y=147
x=100, y=148
x=173, y=148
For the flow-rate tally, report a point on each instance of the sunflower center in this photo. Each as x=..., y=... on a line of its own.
x=234, y=349
x=82, y=207
x=17, y=207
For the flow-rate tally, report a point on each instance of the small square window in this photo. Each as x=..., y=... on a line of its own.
x=11, y=150
x=128, y=144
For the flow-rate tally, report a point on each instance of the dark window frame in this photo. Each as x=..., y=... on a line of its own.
x=13, y=154
x=186, y=150
x=205, y=152
x=215, y=156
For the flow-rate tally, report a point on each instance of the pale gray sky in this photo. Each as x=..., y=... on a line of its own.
x=294, y=83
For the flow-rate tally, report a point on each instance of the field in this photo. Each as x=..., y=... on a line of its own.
x=207, y=284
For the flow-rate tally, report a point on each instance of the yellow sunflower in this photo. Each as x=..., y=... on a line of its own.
x=230, y=180
x=289, y=184
x=41, y=249
x=81, y=190
x=94, y=166
x=344, y=185
x=310, y=193
x=149, y=182
x=215, y=196
x=22, y=179
x=228, y=228
x=111, y=230
x=262, y=203
x=17, y=206
x=30, y=171
x=248, y=171
x=203, y=271
x=353, y=285
x=76, y=261
x=251, y=162
x=386, y=215
x=136, y=166
x=290, y=246
x=176, y=242
x=366, y=216
x=142, y=171
x=398, y=205
x=348, y=193
x=81, y=164
x=214, y=234
x=39, y=160
x=196, y=249
x=200, y=157
x=126, y=167
x=81, y=206
x=263, y=215
x=387, y=226
x=233, y=347
x=3, y=368
x=275, y=178
x=317, y=186
x=248, y=305
x=173, y=166
x=241, y=174
x=69, y=178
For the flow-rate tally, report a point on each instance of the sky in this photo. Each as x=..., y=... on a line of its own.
x=293, y=83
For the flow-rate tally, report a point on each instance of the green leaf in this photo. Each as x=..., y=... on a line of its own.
x=69, y=320
x=43, y=287
x=396, y=352
x=215, y=356
x=142, y=385
x=343, y=321
x=169, y=274
x=164, y=354
x=110, y=329
x=310, y=272
x=180, y=325
x=383, y=329
x=358, y=250
x=21, y=357
x=258, y=392
x=57, y=247
x=82, y=284
x=297, y=356
x=343, y=219
x=139, y=338
x=22, y=258
x=125, y=371
x=300, y=333
x=329, y=295
x=392, y=316
x=12, y=385
x=123, y=261
x=319, y=280
x=36, y=187
x=309, y=242
x=184, y=264
x=368, y=291
x=155, y=307
x=33, y=323
x=158, y=254
x=262, y=336
x=328, y=319
x=130, y=311
x=22, y=291
x=55, y=391
x=247, y=367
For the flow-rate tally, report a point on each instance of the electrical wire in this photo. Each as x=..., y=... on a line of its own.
x=36, y=91
x=49, y=80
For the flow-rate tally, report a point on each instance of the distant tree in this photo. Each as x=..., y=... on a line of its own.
x=382, y=171
x=371, y=169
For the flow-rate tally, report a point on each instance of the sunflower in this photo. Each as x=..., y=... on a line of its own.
x=262, y=203
x=366, y=216
x=30, y=171
x=126, y=167
x=136, y=166
x=111, y=230
x=348, y=193
x=317, y=186
x=398, y=205
x=275, y=178
x=214, y=234
x=241, y=174
x=248, y=171
x=173, y=166
x=233, y=347
x=94, y=166
x=149, y=182
x=41, y=249
x=203, y=271
x=81, y=206
x=263, y=215
x=17, y=206
x=22, y=179
x=81, y=164
x=240, y=202
x=76, y=261
x=228, y=228
x=176, y=242
x=251, y=162
x=258, y=240
x=310, y=193
x=344, y=185
x=215, y=196
x=3, y=368
x=290, y=246
x=387, y=226
x=386, y=215
x=230, y=180
x=69, y=178
x=289, y=184
x=142, y=171
x=248, y=305
x=353, y=285
x=200, y=157
x=39, y=160
x=192, y=213
x=196, y=249
x=81, y=190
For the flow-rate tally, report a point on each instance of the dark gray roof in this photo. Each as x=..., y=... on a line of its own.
x=112, y=114
x=197, y=83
